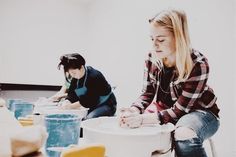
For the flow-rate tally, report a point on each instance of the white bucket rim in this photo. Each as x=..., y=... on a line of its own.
x=170, y=127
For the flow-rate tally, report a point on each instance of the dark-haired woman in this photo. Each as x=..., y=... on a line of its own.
x=88, y=88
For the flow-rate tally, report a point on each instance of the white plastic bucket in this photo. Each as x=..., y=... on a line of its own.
x=125, y=142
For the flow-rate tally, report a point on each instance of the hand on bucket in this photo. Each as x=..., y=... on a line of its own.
x=131, y=118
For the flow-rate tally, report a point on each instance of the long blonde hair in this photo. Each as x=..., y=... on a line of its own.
x=176, y=22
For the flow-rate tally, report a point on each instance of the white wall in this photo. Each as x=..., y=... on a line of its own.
x=34, y=34
x=234, y=78
x=114, y=36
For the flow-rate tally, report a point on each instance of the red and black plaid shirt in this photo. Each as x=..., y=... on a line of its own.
x=193, y=94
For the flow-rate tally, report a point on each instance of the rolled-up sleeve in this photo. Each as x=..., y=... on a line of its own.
x=149, y=85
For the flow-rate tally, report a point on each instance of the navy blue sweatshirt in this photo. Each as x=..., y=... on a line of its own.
x=96, y=86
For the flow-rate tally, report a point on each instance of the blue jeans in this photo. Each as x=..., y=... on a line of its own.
x=204, y=124
x=108, y=108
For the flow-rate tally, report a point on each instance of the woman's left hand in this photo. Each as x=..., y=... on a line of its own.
x=65, y=104
x=68, y=105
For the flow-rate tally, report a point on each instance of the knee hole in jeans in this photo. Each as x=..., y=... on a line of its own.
x=184, y=133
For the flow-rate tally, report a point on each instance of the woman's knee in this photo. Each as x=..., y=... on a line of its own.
x=184, y=133
x=187, y=143
x=190, y=148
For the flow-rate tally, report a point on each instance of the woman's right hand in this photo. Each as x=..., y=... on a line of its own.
x=128, y=111
x=125, y=113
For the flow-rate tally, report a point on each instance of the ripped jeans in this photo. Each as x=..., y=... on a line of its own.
x=204, y=124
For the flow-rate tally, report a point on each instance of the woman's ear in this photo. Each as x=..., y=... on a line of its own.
x=82, y=67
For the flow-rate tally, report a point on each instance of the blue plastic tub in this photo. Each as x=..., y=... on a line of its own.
x=11, y=102
x=63, y=130
x=22, y=109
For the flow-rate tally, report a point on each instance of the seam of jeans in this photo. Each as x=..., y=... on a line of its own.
x=208, y=122
x=204, y=111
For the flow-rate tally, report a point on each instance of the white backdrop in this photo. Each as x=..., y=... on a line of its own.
x=33, y=36
x=113, y=36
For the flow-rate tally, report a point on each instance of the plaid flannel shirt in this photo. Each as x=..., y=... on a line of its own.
x=188, y=96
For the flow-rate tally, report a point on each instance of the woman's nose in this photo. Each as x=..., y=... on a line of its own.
x=155, y=44
x=72, y=75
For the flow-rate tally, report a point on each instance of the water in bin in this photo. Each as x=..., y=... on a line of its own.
x=63, y=130
x=22, y=109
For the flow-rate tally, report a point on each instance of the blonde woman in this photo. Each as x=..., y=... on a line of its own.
x=176, y=76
